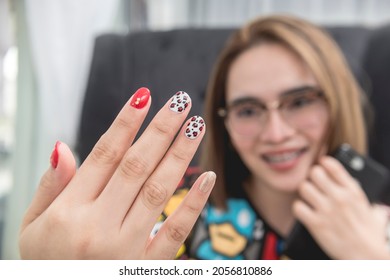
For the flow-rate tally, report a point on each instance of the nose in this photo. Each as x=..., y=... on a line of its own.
x=275, y=128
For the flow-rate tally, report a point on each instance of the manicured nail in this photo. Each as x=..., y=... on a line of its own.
x=140, y=98
x=194, y=127
x=179, y=102
x=208, y=181
x=55, y=155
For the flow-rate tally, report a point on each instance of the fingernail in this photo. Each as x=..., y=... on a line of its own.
x=55, y=155
x=194, y=127
x=180, y=102
x=208, y=181
x=140, y=98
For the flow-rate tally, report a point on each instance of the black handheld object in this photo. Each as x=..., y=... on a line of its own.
x=373, y=177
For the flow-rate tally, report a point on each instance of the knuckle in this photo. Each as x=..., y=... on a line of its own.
x=153, y=194
x=122, y=123
x=56, y=217
x=328, y=209
x=104, y=152
x=192, y=209
x=303, y=187
x=356, y=189
x=46, y=184
x=133, y=165
x=314, y=172
x=342, y=199
x=176, y=233
x=297, y=208
x=353, y=195
x=163, y=128
x=88, y=243
x=81, y=237
x=81, y=245
x=180, y=155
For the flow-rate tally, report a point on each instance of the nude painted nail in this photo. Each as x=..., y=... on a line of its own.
x=208, y=182
x=179, y=102
x=194, y=127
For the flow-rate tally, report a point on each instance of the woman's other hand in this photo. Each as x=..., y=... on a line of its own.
x=336, y=211
x=107, y=209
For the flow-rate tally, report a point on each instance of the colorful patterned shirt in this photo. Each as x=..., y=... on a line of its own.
x=237, y=233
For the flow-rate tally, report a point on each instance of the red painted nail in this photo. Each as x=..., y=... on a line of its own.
x=54, y=155
x=140, y=98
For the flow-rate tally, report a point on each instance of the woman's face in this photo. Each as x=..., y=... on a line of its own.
x=277, y=145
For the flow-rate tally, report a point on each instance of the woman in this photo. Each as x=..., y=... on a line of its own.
x=280, y=100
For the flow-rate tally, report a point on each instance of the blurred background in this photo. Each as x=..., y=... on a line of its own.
x=45, y=54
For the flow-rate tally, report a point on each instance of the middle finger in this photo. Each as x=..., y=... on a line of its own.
x=323, y=181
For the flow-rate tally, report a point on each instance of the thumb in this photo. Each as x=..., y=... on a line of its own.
x=55, y=179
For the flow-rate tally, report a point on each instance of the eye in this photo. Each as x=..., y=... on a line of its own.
x=299, y=101
x=246, y=111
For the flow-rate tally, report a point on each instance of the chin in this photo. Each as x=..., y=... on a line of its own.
x=286, y=186
x=286, y=181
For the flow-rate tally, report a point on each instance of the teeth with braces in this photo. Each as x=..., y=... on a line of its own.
x=282, y=157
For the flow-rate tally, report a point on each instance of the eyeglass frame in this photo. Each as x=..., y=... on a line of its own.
x=223, y=112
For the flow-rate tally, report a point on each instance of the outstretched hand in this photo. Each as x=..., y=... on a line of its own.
x=108, y=207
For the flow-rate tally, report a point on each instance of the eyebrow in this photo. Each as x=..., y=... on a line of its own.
x=289, y=92
x=299, y=90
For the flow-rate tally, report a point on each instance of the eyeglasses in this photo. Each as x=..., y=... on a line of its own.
x=248, y=116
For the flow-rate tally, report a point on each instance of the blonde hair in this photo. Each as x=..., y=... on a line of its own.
x=323, y=57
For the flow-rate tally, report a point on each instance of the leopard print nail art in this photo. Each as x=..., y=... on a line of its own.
x=179, y=102
x=194, y=127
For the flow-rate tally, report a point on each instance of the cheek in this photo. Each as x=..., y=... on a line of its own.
x=243, y=147
x=239, y=143
x=318, y=127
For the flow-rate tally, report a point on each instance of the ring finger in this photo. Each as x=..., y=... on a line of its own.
x=163, y=182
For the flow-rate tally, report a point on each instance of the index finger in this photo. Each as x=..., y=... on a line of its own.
x=337, y=172
x=104, y=158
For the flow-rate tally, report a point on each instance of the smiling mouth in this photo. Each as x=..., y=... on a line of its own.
x=283, y=157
